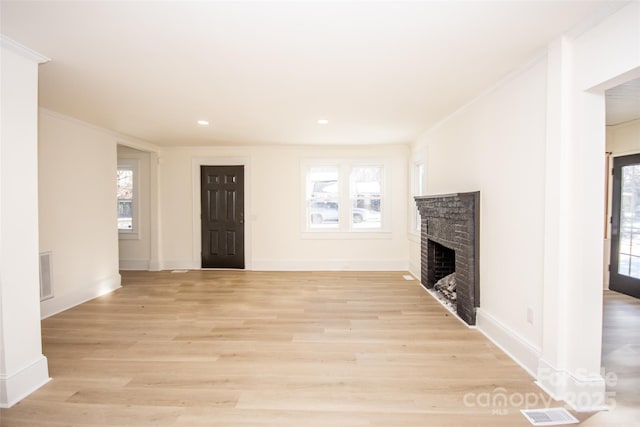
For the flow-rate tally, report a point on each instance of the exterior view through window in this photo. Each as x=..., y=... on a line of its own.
x=365, y=188
x=629, y=255
x=624, y=266
x=323, y=197
x=335, y=203
x=125, y=200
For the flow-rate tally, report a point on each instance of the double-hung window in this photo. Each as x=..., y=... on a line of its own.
x=127, y=199
x=323, y=197
x=344, y=196
x=365, y=189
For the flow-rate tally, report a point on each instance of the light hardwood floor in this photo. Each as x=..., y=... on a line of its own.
x=237, y=348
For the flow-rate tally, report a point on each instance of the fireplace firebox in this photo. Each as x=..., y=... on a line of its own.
x=450, y=250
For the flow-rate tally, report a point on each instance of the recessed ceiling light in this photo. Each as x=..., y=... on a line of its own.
x=323, y=121
x=203, y=122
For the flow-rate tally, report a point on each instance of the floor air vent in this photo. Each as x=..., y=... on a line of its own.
x=46, y=277
x=549, y=416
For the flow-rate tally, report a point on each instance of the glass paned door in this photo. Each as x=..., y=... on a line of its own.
x=625, y=226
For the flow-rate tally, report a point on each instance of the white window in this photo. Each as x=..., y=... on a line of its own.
x=365, y=189
x=344, y=196
x=323, y=197
x=127, y=199
x=418, y=190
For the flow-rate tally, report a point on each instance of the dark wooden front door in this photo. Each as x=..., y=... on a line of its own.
x=222, y=201
x=624, y=269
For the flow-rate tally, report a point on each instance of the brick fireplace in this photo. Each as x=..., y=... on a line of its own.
x=450, y=243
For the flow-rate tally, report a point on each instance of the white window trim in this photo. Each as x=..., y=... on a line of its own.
x=414, y=233
x=345, y=230
x=134, y=166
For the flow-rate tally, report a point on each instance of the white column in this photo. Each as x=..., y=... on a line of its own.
x=556, y=242
x=569, y=366
x=580, y=69
x=23, y=368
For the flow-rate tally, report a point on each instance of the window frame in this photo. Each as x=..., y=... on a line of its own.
x=345, y=229
x=133, y=233
x=417, y=189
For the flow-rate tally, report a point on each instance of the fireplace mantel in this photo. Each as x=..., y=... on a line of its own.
x=452, y=220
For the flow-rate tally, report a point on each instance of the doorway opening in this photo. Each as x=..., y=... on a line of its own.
x=137, y=209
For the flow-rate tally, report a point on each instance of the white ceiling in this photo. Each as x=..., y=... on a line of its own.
x=265, y=72
x=623, y=102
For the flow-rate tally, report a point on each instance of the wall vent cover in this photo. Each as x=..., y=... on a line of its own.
x=46, y=276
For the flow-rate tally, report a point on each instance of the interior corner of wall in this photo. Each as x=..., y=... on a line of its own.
x=414, y=269
x=79, y=295
x=509, y=341
x=155, y=265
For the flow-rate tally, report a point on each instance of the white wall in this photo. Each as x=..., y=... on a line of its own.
x=496, y=145
x=624, y=138
x=78, y=218
x=274, y=203
x=23, y=368
x=135, y=253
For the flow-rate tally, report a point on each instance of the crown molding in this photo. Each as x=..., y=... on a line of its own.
x=31, y=54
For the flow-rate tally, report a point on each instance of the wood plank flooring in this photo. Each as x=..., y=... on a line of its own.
x=621, y=346
x=620, y=357
x=238, y=348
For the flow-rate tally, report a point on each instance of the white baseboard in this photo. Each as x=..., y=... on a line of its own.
x=329, y=265
x=516, y=347
x=62, y=302
x=17, y=385
x=134, y=264
x=178, y=265
x=585, y=394
x=304, y=265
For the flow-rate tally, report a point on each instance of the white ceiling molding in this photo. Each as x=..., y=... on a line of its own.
x=31, y=54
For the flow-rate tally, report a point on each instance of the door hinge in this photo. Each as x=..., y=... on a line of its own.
x=613, y=171
x=609, y=267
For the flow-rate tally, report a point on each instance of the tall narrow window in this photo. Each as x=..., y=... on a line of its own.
x=127, y=204
x=418, y=190
x=323, y=197
x=366, y=196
